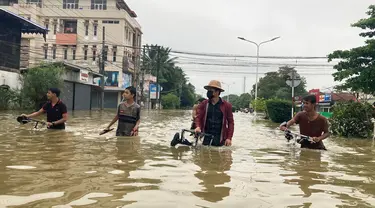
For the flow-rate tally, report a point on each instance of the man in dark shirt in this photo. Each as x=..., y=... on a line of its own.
x=56, y=110
x=215, y=117
x=128, y=115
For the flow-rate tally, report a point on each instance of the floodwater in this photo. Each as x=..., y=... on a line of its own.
x=79, y=168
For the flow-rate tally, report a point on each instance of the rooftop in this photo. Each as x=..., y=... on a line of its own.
x=27, y=26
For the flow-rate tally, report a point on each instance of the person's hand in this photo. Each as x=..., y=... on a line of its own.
x=24, y=115
x=283, y=128
x=228, y=142
x=315, y=139
x=49, y=124
x=135, y=131
x=198, y=130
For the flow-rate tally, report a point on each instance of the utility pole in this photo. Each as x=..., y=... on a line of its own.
x=293, y=77
x=180, y=94
x=138, y=73
x=293, y=81
x=102, y=68
x=244, y=84
x=158, y=94
x=143, y=71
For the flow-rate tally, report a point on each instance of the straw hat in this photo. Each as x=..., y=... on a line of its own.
x=214, y=84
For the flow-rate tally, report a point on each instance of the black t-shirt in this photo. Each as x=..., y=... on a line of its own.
x=55, y=113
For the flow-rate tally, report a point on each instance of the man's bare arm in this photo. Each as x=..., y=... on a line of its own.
x=63, y=120
x=35, y=114
x=113, y=121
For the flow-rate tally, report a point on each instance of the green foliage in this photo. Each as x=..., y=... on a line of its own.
x=242, y=101
x=158, y=62
x=279, y=110
x=352, y=119
x=36, y=81
x=357, y=67
x=259, y=104
x=273, y=85
x=9, y=99
x=170, y=101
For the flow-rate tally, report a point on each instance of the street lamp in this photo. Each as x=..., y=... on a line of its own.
x=228, y=84
x=256, y=76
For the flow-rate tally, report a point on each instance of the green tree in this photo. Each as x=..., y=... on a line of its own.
x=357, y=66
x=170, y=101
x=36, y=81
x=172, y=79
x=273, y=85
x=259, y=104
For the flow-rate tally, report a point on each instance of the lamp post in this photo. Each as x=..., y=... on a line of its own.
x=256, y=75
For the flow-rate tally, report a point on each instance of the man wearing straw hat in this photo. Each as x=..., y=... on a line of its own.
x=214, y=116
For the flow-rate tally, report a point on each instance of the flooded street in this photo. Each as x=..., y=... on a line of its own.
x=79, y=168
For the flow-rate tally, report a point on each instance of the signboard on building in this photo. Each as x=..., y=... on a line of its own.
x=153, y=94
x=83, y=75
x=325, y=98
x=111, y=78
x=315, y=92
x=126, y=80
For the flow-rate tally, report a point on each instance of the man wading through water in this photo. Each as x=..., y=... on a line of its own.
x=215, y=117
x=57, y=113
x=311, y=124
x=128, y=115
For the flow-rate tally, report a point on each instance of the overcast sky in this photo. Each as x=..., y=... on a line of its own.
x=306, y=28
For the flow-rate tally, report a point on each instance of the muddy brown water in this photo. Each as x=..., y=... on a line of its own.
x=79, y=168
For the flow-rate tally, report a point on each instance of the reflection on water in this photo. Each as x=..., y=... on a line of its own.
x=77, y=167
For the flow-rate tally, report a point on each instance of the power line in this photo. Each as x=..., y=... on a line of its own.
x=246, y=56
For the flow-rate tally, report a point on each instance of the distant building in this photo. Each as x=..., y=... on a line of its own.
x=75, y=37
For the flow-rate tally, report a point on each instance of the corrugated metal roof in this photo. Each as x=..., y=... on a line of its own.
x=28, y=26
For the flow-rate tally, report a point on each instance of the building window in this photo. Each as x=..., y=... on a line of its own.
x=95, y=30
x=65, y=53
x=54, y=29
x=85, y=52
x=37, y=2
x=110, y=22
x=45, y=52
x=99, y=4
x=70, y=26
x=94, y=55
x=86, y=30
x=126, y=33
x=47, y=26
x=54, y=52
x=114, y=56
x=70, y=4
x=74, y=54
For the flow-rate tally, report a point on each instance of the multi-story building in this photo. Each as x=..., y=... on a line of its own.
x=76, y=29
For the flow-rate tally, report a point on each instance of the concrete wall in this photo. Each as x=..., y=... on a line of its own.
x=10, y=78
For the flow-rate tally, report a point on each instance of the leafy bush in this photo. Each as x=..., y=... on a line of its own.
x=352, y=119
x=10, y=99
x=259, y=104
x=279, y=110
x=36, y=81
x=170, y=101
